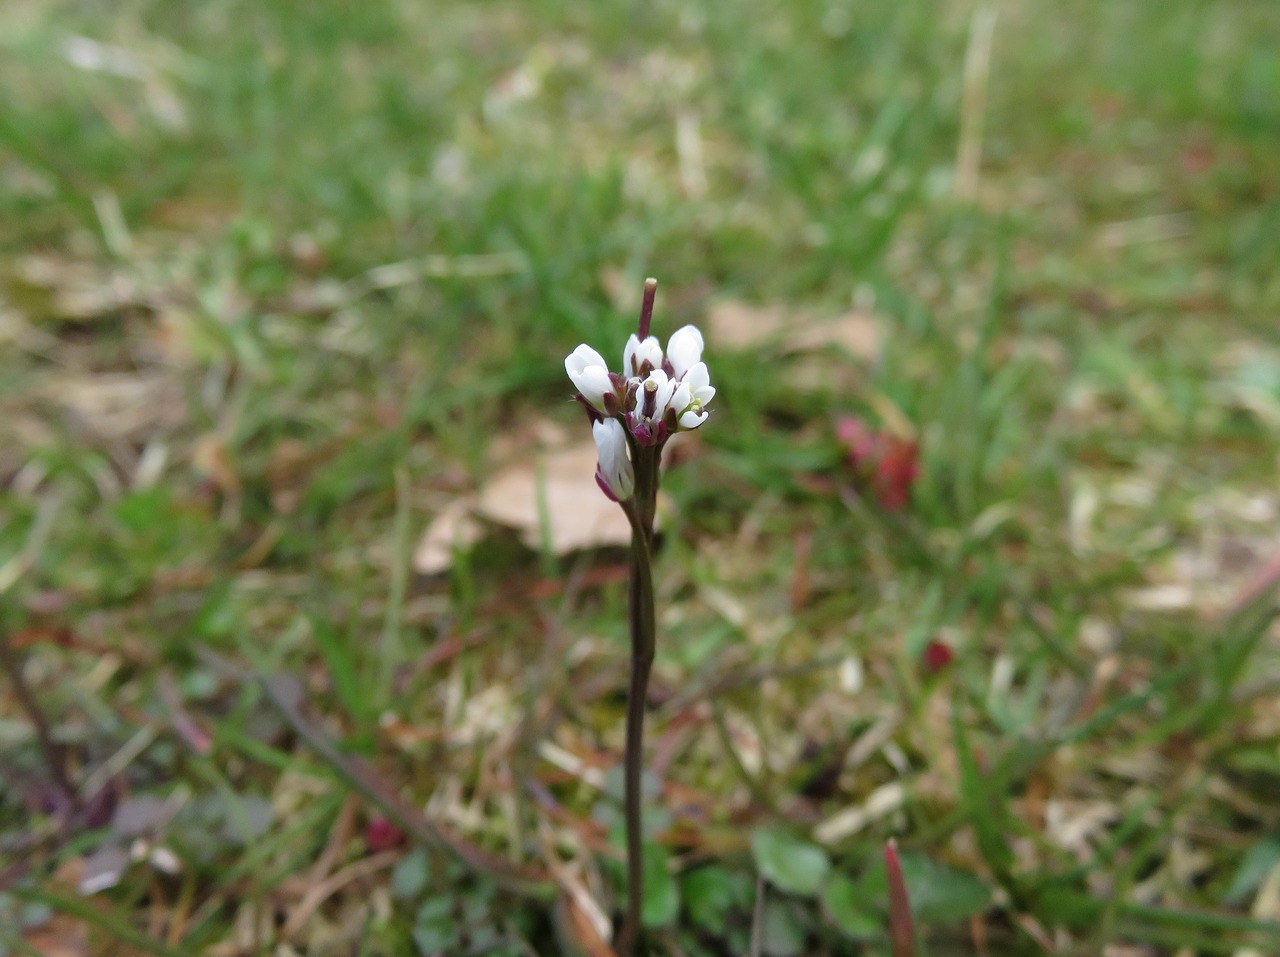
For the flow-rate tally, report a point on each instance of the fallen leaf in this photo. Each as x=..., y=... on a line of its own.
x=55, y=289
x=580, y=920
x=212, y=460
x=118, y=406
x=560, y=487
x=735, y=324
x=549, y=497
x=454, y=529
x=59, y=936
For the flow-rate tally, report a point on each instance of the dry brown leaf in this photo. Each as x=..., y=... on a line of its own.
x=455, y=528
x=59, y=936
x=737, y=324
x=880, y=803
x=52, y=288
x=857, y=333
x=582, y=922
x=212, y=459
x=557, y=487
x=561, y=487
x=732, y=322
x=114, y=406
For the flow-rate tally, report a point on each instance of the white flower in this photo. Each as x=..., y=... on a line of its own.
x=590, y=375
x=656, y=394
x=614, y=472
x=637, y=353
x=658, y=389
x=652, y=399
x=693, y=395
x=684, y=348
x=680, y=399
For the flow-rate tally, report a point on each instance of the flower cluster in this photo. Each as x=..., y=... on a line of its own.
x=656, y=395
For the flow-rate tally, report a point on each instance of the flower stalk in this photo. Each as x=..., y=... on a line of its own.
x=632, y=415
x=641, y=611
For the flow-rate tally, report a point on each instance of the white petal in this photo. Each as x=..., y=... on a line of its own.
x=697, y=377
x=615, y=463
x=681, y=398
x=589, y=374
x=692, y=419
x=582, y=357
x=637, y=353
x=663, y=399
x=661, y=387
x=594, y=383
x=684, y=348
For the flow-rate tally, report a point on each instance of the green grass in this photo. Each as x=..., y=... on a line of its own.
x=284, y=280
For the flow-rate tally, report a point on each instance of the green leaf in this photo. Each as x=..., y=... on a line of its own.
x=145, y=510
x=789, y=863
x=661, y=896
x=344, y=670
x=710, y=894
x=1258, y=862
x=433, y=927
x=410, y=876
x=938, y=892
x=782, y=932
x=845, y=905
x=977, y=790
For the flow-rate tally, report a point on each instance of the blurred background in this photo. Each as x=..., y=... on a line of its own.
x=977, y=549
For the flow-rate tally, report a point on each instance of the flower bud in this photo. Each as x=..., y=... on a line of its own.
x=614, y=472
x=641, y=356
x=684, y=348
x=590, y=375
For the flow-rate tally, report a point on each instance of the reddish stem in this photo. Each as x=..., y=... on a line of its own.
x=11, y=663
x=902, y=936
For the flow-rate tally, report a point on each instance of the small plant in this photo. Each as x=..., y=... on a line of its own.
x=632, y=416
x=885, y=465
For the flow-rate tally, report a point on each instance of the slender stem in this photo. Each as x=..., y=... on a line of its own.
x=53, y=757
x=641, y=665
x=643, y=640
x=640, y=512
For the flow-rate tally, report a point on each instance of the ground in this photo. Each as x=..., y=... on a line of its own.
x=282, y=284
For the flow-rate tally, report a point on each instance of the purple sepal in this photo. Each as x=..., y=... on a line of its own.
x=604, y=485
x=594, y=414
x=640, y=432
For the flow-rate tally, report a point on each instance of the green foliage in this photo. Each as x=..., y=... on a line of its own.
x=1256, y=866
x=783, y=930
x=852, y=908
x=792, y=865
x=938, y=893
x=661, y=892
x=714, y=897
